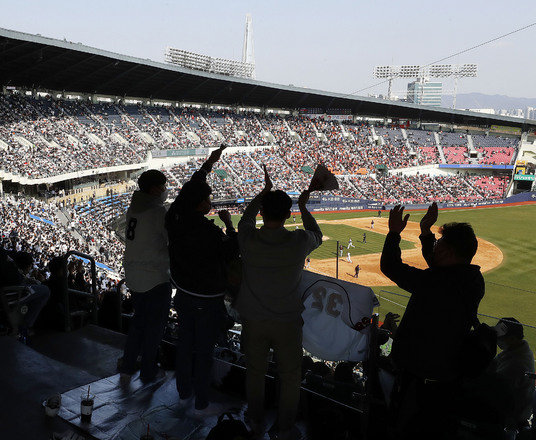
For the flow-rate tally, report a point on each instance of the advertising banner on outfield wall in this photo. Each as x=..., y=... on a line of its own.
x=529, y=177
x=477, y=166
x=336, y=203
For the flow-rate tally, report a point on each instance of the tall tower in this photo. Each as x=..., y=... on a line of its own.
x=248, y=52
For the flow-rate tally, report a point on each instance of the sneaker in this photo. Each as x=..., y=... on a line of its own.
x=213, y=409
x=186, y=403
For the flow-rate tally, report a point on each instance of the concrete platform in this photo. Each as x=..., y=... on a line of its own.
x=67, y=363
x=124, y=412
x=27, y=378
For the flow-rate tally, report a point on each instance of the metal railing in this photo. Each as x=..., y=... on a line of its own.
x=478, y=314
x=67, y=291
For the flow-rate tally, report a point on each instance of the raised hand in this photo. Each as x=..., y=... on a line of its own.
x=303, y=199
x=429, y=219
x=225, y=217
x=391, y=321
x=396, y=222
x=267, y=181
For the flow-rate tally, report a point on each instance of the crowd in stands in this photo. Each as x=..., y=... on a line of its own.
x=42, y=137
x=239, y=175
x=45, y=231
x=491, y=150
x=34, y=226
x=31, y=231
x=496, y=155
x=92, y=221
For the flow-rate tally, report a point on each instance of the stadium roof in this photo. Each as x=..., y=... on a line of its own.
x=34, y=61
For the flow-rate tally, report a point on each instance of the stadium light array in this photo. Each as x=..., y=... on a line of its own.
x=433, y=71
x=204, y=63
x=455, y=71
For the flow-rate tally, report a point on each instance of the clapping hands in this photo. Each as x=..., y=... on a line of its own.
x=429, y=219
x=397, y=223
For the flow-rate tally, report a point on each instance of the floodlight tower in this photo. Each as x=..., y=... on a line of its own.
x=455, y=71
x=248, y=52
x=392, y=72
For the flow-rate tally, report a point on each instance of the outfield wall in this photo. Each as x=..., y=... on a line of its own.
x=335, y=203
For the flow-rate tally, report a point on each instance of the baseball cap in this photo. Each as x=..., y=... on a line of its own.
x=510, y=327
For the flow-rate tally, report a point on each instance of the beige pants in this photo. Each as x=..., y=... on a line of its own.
x=285, y=338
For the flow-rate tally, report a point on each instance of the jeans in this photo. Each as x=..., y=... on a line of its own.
x=285, y=338
x=151, y=311
x=35, y=303
x=200, y=322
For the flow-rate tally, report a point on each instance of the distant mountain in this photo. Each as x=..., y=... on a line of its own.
x=480, y=100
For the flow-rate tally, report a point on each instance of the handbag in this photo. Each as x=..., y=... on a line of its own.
x=228, y=428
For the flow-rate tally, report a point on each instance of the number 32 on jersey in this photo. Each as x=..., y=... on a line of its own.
x=333, y=303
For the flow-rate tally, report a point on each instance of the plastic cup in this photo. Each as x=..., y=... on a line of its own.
x=86, y=407
x=51, y=411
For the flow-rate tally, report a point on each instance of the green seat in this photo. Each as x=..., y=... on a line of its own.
x=221, y=173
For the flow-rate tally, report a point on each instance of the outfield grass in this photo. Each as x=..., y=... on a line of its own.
x=510, y=288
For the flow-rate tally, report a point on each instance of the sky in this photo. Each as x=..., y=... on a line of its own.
x=328, y=45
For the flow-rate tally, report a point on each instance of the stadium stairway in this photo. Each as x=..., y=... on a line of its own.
x=439, y=149
x=470, y=144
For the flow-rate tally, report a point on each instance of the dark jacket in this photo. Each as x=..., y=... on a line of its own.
x=199, y=251
x=438, y=316
x=9, y=273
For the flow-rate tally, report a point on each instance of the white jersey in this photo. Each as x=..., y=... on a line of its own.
x=146, y=259
x=333, y=309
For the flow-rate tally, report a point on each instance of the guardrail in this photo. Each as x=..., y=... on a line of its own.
x=67, y=291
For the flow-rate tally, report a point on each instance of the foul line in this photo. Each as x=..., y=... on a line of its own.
x=479, y=314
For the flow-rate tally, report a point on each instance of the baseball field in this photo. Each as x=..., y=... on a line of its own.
x=506, y=253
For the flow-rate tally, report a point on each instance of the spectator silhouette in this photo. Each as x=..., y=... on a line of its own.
x=17, y=273
x=199, y=254
x=511, y=365
x=53, y=314
x=269, y=302
x=146, y=265
x=502, y=395
x=428, y=356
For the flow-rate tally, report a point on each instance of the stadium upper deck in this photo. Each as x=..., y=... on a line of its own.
x=36, y=62
x=46, y=137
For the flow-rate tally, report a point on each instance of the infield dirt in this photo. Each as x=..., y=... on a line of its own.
x=487, y=257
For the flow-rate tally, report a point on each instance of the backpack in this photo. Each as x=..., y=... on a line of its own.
x=228, y=429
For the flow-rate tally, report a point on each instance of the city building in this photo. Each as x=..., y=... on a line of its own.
x=425, y=93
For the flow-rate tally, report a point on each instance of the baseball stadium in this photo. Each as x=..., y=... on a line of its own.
x=78, y=127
